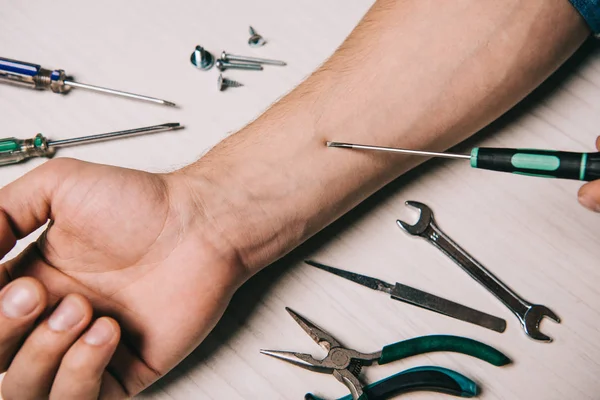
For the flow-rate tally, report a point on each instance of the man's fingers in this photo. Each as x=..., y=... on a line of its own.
x=21, y=303
x=33, y=369
x=7, y=236
x=81, y=375
x=589, y=195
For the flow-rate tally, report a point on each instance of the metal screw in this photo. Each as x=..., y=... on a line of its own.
x=202, y=59
x=231, y=57
x=255, y=39
x=224, y=83
x=223, y=65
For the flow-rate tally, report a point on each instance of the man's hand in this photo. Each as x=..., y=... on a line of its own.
x=589, y=194
x=162, y=254
x=121, y=244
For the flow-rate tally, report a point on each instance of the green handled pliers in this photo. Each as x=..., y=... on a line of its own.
x=346, y=364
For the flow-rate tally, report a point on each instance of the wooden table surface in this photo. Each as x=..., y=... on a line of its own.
x=530, y=232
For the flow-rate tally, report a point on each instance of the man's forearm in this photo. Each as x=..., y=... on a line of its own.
x=417, y=74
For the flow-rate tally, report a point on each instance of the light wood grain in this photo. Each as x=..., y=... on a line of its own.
x=530, y=232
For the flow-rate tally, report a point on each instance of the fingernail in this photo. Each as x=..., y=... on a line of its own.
x=20, y=300
x=101, y=333
x=68, y=314
x=589, y=203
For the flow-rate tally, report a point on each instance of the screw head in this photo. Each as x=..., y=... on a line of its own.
x=220, y=65
x=255, y=39
x=202, y=59
x=224, y=55
x=224, y=83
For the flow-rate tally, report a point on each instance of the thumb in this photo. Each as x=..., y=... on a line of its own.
x=589, y=194
x=25, y=204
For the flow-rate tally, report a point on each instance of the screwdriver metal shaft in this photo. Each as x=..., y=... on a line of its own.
x=35, y=77
x=119, y=93
x=397, y=150
x=113, y=135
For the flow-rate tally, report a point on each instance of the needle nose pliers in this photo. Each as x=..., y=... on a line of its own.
x=346, y=364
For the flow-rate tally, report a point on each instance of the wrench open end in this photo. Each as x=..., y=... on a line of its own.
x=532, y=319
x=425, y=219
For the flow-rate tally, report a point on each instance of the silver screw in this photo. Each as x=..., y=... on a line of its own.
x=255, y=39
x=224, y=83
x=231, y=57
x=222, y=65
x=202, y=59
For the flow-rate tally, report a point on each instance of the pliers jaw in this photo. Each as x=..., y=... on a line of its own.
x=344, y=364
x=338, y=358
x=300, y=359
x=319, y=335
x=347, y=375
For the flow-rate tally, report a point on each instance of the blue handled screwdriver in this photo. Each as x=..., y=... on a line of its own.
x=540, y=163
x=35, y=77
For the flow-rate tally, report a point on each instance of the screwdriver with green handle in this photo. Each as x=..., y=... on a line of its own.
x=540, y=163
x=13, y=151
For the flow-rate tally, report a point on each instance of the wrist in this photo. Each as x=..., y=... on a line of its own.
x=191, y=201
x=245, y=197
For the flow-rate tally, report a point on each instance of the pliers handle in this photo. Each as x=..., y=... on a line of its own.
x=436, y=379
x=434, y=343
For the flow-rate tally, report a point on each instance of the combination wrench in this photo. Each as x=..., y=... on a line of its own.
x=530, y=315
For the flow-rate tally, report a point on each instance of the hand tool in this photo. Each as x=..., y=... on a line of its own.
x=418, y=378
x=224, y=83
x=255, y=39
x=531, y=162
x=224, y=65
x=421, y=299
x=36, y=77
x=202, y=59
x=232, y=57
x=530, y=315
x=13, y=151
x=346, y=364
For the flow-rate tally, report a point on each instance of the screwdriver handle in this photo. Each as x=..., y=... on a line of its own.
x=13, y=151
x=32, y=75
x=540, y=163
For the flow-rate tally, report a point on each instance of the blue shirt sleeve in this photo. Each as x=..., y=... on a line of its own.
x=590, y=11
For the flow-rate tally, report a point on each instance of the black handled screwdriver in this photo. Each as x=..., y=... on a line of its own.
x=539, y=163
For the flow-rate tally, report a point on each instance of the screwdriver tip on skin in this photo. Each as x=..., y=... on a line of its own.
x=338, y=144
